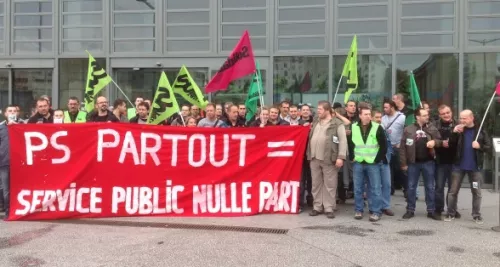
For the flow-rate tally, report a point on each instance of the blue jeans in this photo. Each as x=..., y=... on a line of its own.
x=4, y=180
x=385, y=175
x=443, y=176
x=427, y=170
x=372, y=172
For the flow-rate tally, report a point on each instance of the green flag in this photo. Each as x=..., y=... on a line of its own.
x=253, y=94
x=97, y=79
x=164, y=104
x=414, y=99
x=350, y=70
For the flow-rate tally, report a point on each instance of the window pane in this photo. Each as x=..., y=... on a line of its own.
x=187, y=4
x=301, y=14
x=33, y=7
x=301, y=2
x=484, y=23
x=364, y=42
x=188, y=31
x=188, y=45
x=436, y=76
x=363, y=12
x=134, y=18
x=305, y=43
x=29, y=20
x=134, y=5
x=291, y=83
x=244, y=16
x=428, y=9
x=427, y=25
x=32, y=34
x=87, y=19
x=237, y=90
x=77, y=46
x=301, y=29
x=4, y=86
x=188, y=17
x=257, y=44
x=237, y=30
x=484, y=39
x=82, y=5
x=351, y=27
x=134, y=32
x=427, y=40
x=484, y=8
x=82, y=33
x=32, y=47
x=28, y=85
x=374, y=79
x=72, y=78
x=134, y=46
x=243, y=3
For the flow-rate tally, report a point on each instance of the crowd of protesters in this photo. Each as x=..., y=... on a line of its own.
x=353, y=151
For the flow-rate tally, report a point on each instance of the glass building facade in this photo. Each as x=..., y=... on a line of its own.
x=452, y=47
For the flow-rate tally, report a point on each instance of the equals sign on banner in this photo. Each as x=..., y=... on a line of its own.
x=283, y=149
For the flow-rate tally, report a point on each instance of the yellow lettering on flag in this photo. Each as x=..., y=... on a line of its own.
x=97, y=79
x=164, y=104
x=350, y=70
x=185, y=86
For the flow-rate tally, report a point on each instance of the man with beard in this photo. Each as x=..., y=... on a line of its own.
x=73, y=114
x=233, y=119
x=102, y=113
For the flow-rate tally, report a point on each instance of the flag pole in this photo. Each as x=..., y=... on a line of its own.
x=182, y=119
x=261, y=97
x=122, y=92
x=485, y=114
x=337, y=91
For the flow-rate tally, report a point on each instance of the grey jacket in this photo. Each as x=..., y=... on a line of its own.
x=4, y=145
x=333, y=150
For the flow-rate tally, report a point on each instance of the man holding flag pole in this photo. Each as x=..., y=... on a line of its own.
x=350, y=71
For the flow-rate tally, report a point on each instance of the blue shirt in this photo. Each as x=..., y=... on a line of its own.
x=468, y=161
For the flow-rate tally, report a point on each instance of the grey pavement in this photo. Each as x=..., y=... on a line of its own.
x=310, y=241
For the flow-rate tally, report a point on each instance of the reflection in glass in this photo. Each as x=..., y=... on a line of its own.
x=237, y=91
x=301, y=43
x=134, y=46
x=244, y=15
x=82, y=5
x=73, y=78
x=363, y=12
x=374, y=79
x=436, y=76
x=481, y=74
x=28, y=85
x=306, y=13
x=243, y=3
x=134, y=5
x=33, y=7
x=427, y=40
x=484, y=39
x=33, y=47
x=188, y=45
x=300, y=79
x=364, y=42
x=187, y=4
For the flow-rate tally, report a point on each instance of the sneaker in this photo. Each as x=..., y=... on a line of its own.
x=358, y=216
x=434, y=216
x=449, y=218
x=457, y=215
x=374, y=218
x=408, y=215
x=478, y=220
x=330, y=215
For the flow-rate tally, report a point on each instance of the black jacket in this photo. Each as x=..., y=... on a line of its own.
x=94, y=117
x=38, y=117
x=445, y=155
x=457, y=142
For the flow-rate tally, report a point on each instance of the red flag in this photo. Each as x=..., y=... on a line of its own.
x=498, y=89
x=306, y=83
x=239, y=63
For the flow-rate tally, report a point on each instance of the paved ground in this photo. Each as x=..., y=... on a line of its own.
x=310, y=241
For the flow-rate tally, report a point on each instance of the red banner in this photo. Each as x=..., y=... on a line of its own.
x=240, y=63
x=112, y=170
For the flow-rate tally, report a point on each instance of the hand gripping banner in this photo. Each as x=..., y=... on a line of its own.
x=113, y=170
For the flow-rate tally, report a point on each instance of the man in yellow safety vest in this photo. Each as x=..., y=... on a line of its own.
x=73, y=114
x=368, y=149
